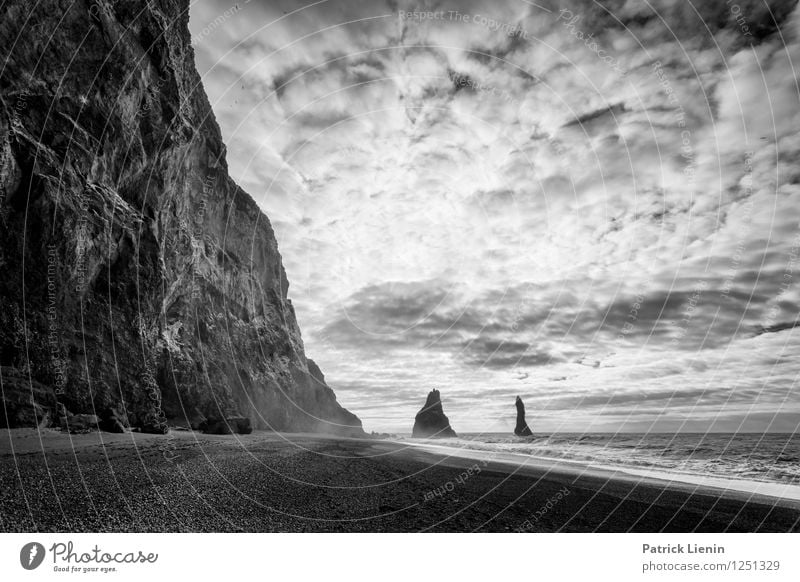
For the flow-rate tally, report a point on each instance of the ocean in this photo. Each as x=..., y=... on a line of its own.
x=769, y=457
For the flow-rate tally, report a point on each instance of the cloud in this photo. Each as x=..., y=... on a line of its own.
x=483, y=199
x=502, y=354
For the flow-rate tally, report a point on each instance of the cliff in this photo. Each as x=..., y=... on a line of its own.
x=136, y=274
x=431, y=421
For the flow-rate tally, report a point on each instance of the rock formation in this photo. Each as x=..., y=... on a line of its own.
x=136, y=274
x=522, y=427
x=78, y=423
x=229, y=425
x=431, y=421
x=111, y=420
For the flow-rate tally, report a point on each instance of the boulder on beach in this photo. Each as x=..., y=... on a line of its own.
x=26, y=403
x=240, y=424
x=522, y=426
x=113, y=420
x=78, y=423
x=431, y=421
x=227, y=425
x=195, y=419
x=154, y=428
x=215, y=426
x=153, y=423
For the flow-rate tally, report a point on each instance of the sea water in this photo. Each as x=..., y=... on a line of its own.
x=769, y=457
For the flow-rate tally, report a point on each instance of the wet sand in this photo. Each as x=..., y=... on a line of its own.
x=192, y=482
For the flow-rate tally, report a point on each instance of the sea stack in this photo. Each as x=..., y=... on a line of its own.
x=522, y=427
x=431, y=421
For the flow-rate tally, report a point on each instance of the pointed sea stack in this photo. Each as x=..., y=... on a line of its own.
x=431, y=421
x=522, y=427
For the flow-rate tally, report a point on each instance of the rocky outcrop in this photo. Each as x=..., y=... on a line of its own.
x=431, y=421
x=79, y=423
x=229, y=425
x=111, y=420
x=136, y=274
x=26, y=402
x=521, y=429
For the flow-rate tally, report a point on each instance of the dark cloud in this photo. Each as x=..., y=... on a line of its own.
x=504, y=354
x=619, y=403
x=783, y=326
x=587, y=120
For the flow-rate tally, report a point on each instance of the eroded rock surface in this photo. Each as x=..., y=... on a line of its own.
x=136, y=274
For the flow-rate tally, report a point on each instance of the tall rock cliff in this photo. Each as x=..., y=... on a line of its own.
x=136, y=273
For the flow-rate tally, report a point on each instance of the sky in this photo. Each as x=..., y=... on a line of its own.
x=595, y=208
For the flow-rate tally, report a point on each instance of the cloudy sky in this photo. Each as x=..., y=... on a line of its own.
x=595, y=208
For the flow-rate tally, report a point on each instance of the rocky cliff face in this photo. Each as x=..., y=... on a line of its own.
x=136, y=273
x=431, y=421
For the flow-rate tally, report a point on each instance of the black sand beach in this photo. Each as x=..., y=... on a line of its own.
x=189, y=482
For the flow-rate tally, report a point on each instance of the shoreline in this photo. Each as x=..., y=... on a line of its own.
x=285, y=482
x=766, y=491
